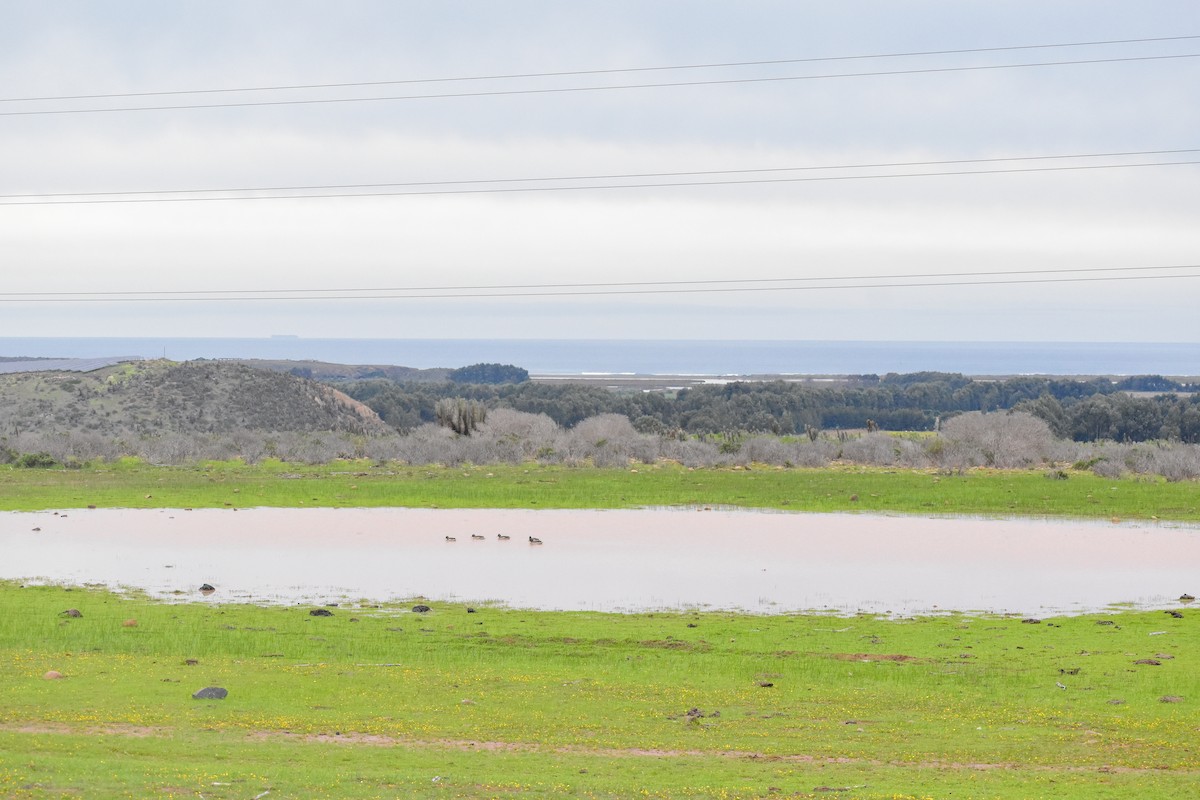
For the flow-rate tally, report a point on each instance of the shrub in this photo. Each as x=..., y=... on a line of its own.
x=35, y=461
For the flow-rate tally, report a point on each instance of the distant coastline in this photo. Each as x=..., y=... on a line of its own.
x=593, y=359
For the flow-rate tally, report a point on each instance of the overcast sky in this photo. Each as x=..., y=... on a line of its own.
x=782, y=241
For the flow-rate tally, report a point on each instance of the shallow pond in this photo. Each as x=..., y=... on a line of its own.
x=612, y=560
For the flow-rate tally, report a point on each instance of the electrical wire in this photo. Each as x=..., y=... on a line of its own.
x=574, y=73
x=992, y=278
x=622, y=176
x=567, y=89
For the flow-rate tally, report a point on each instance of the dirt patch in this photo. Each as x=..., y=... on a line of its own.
x=897, y=657
x=468, y=745
x=134, y=731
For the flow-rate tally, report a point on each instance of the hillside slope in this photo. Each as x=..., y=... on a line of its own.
x=190, y=397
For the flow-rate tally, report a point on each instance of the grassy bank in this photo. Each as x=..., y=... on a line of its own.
x=133, y=484
x=382, y=702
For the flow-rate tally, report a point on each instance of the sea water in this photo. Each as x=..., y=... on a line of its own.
x=659, y=357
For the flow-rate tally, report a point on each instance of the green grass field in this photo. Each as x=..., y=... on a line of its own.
x=132, y=484
x=380, y=702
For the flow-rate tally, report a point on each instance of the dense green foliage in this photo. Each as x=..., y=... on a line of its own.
x=489, y=373
x=379, y=702
x=1085, y=410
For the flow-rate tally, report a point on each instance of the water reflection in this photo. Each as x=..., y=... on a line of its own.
x=611, y=560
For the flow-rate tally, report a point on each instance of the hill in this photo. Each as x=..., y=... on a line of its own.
x=334, y=373
x=184, y=398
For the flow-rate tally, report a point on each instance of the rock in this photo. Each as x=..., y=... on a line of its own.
x=1154, y=662
x=1031, y=621
x=470, y=610
x=129, y=623
x=420, y=608
x=1170, y=698
x=72, y=612
x=1105, y=622
x=52, y=675
x=211, y=693
x=320, y=612
x=191, y=662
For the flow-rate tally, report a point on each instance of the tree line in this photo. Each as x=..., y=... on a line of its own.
x=1083, y=410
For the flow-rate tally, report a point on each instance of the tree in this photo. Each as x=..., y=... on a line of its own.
x=489, y=373
x=459, y=414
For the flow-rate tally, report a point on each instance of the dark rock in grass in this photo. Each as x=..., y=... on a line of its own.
x=421, y=609
x=1153, y=662
x=692, y=625
x=72, y=612
x=191, y=662
x=1116, y=702
x=1031, y=621
x=211, y=693
x=765, y=684
x=1105, y=622
x=1170, y=698
x=1068, y=671
x=320, y=612
x=470, y=610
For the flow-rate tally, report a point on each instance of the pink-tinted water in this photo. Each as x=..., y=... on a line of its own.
x=612, y=560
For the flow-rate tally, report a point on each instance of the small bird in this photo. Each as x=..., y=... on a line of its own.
x=532, y=540
x=450, y=539
x=1059, y=685
x=502, y=537
x=476, y=536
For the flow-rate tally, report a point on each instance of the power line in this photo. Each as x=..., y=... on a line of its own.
x=656, y=185
x=574, y=73
x=567, y=89
x=999, y=277
x=620, y=176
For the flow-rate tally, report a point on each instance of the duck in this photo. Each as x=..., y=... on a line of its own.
x=533, y=540
x=450, y=539
x=476, y=536
x=502, y=537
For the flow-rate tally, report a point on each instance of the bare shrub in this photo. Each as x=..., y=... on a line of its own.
x=319, y=447
x=383, y=448
x=911, y=454
x=1180, y=462
x=693, y=453
x=1175, y=462
x=1006, y=440
x=515, y=436
x=814, y=454
x=761, y=449
x=428, y=444
x=167, y=448
x=876, y=449
x=608, y=440
x=1108, y=469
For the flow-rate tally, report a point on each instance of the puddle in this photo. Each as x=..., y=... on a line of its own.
x=612, y=560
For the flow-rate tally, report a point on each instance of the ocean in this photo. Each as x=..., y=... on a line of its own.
x=659, y=357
